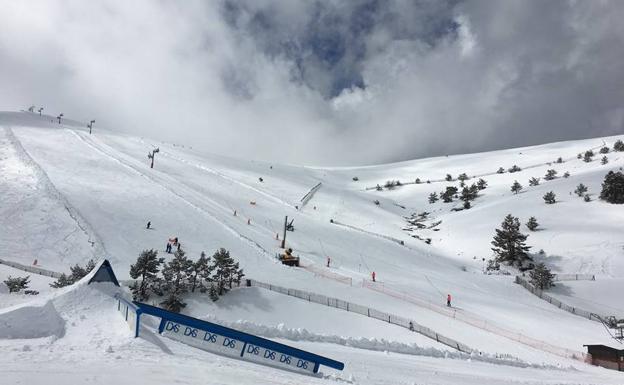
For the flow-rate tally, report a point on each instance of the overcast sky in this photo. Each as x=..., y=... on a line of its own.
x=328, y=82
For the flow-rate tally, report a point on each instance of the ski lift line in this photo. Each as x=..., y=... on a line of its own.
x=127, y=165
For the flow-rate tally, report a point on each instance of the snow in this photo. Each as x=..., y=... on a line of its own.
x=69, y=196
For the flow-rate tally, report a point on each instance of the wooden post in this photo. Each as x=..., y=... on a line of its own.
x=285, y=225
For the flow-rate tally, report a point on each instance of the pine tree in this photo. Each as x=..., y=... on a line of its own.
x=500, y=170
x=566, y=174
x=214, y=295
x=534, y=181
x=550, y=197
x=541, y=277
x=16, y=284
x=378, y=188
x=587, y=198
x=198, y=270
x=174, y=274
x=516, y=187
x=463, y=177
x=550, y=174
x=226, y=271
x=618, y=146
x=559, y=160
x=62, y=281
x=449, y=177
x=604, y=150
x=433, y=197
x=604, y=160
x=482, y=184
x=613, y=188
x=417, y=181
x=509, y=243
x=146, y=271
x=532, y=224
x=514, y=168
x=448, y=194
x=589, y=154
x=580, y=189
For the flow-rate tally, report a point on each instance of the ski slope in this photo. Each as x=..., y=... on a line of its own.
x=72, y=196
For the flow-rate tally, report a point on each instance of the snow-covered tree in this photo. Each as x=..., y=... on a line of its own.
x=500, y=170
x=566, y=174
x=516, y=187
x=559, y=160
x=514, y=168
x=16, y=284
x=509, y=243
x=62, y=281
x=550, y=174
x=448, y=194
x=550, y=197
x=145, y=270
x=225, y=271
x=175, y=277
x=613, y=188
x=587, y=157
x=587, y=198
x=449, y=177
x=463, y=177
x=618, y=145
x=604, y=160
x=534, y=181
x=541, y=277
x=199, y=270
x=482, y=184
x=433, y=197
x=581, y=189
x=604, y=150
x=532, y=224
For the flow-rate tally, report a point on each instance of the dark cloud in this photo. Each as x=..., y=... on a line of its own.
x=331, y=82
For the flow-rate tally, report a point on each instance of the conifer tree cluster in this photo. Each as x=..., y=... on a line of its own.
x=448, y=194
x=509, y=243
x=587, y=157
x=514, y=168
x=77, y=273
x=215, y=275
x=541, y=277
x=613, y=188
x=618, y=146
x=17, y=284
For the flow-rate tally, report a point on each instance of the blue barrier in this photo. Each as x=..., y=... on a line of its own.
x=130, y=312
x=223, y=340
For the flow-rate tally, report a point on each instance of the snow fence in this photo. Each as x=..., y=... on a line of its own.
x=306, y=198
x=365, y=311
x=30, y=269
x=555, y=302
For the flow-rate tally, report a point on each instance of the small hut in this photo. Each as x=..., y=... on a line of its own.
x=606, y=356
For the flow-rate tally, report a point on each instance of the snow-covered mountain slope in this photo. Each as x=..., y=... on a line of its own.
x=74, y=196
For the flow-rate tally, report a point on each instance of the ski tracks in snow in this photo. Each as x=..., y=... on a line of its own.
x=165, y=182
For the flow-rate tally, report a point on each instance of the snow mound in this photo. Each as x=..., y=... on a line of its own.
x=32, y=322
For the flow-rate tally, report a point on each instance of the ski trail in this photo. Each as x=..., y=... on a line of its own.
x=226, y=177
x=47, y=184
x=155, y=180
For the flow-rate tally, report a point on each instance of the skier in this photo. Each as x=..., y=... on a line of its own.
x=149, y=224
x=328, y=261
x=448, y=300
x=179, y=245
x=411, y=326
x=168, y=248
x=373, y=275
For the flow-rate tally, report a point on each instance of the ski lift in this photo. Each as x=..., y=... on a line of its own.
x=289, y=226
x=614, y=326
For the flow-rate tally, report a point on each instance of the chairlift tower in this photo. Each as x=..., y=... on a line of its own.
x=150, y=155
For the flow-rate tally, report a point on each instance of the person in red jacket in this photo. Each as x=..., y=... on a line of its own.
x=448, y=300
x=373, y=275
